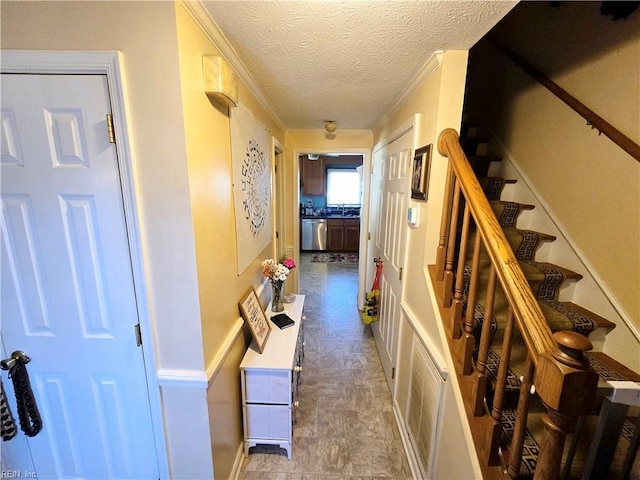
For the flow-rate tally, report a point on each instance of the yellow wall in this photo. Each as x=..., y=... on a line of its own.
x=207, y=136
x=589, y=185
x=438, y=103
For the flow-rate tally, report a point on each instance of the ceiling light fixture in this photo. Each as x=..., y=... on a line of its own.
x=330, y=126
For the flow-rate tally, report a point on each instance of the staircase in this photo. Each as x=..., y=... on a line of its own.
x=522, y=356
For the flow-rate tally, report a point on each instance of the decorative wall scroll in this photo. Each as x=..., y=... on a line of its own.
x=251, y=160
x=420, y=173
x=256, y=319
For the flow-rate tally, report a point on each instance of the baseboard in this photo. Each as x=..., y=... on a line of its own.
x=406, y=443
x=237, y=464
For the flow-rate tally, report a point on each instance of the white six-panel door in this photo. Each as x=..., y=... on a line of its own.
x=68, y=298
x=390, y=187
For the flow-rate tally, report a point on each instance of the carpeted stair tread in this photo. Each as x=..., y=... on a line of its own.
x=546, y=278
x=507, y=212
x=559, y=315
x=569, y=316
x=492, y=186
x=525, y=243
x=610, y=369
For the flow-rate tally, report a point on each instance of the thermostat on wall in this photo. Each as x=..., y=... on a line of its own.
x=413, y=214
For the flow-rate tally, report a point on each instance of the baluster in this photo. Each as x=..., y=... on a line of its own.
x=503, y=370
x=441, y=252
x=469, y=317
x=456, y=311
x=495, y=431
x=521, y=420
x=567, y=386
x=451, y=247
x=485, y=339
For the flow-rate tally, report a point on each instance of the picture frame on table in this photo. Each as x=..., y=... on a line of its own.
x=420, y=172
x=255, y=318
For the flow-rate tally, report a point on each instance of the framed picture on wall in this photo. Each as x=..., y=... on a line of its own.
x=256, y=319
x=420, y=173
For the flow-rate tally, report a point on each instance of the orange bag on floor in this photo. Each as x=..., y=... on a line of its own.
x=370, y=309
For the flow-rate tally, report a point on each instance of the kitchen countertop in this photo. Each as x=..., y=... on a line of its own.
x=337, y=217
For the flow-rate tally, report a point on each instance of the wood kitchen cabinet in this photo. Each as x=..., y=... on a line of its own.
x=351, y=234
x=343, y=234
x=312, y=176
x=335, y=234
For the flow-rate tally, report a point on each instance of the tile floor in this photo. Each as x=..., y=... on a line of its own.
x=346, y=428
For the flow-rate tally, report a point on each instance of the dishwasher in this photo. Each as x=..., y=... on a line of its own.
x=314, y=234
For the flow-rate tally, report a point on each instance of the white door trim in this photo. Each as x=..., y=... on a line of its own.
x=110, y=63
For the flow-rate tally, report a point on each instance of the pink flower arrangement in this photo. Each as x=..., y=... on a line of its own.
x=278, y=272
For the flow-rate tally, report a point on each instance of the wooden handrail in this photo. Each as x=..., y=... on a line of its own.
x=531, y=322
x=593, y=119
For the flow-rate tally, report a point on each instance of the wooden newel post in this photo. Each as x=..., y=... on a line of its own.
x=567, y=386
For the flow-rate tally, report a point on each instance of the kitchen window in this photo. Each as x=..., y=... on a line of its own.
x=343, y=187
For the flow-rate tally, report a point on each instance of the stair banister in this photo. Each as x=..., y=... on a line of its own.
x=535, y=330
x=564, y=380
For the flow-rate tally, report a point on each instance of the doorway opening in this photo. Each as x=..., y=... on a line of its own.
x=332, y=218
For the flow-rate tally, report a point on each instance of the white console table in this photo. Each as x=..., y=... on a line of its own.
x=270, y=381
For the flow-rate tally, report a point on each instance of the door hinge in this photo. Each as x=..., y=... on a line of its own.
x=110, y=130
x=400, y=275
x=277, y=234
x=393, y=373
x=368, y=235
x=138, y=335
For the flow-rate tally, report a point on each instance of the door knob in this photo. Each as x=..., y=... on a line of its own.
x=17, y=356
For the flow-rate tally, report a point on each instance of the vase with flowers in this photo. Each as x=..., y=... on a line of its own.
x=277, y=273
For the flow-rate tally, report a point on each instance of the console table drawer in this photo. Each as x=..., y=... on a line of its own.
x=271, y=422
x=267, y=386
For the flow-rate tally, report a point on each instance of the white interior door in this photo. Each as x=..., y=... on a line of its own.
x=68, y=298
x=390, y=187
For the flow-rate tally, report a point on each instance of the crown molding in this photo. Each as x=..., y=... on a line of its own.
x=207, y=24
x=431, y=66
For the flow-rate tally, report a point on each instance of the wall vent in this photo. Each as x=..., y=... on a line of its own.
x=423, y=406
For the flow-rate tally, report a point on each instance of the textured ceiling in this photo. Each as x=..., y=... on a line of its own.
x=348, y=61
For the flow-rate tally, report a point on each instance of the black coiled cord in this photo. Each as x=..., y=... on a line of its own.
x=30, y=420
